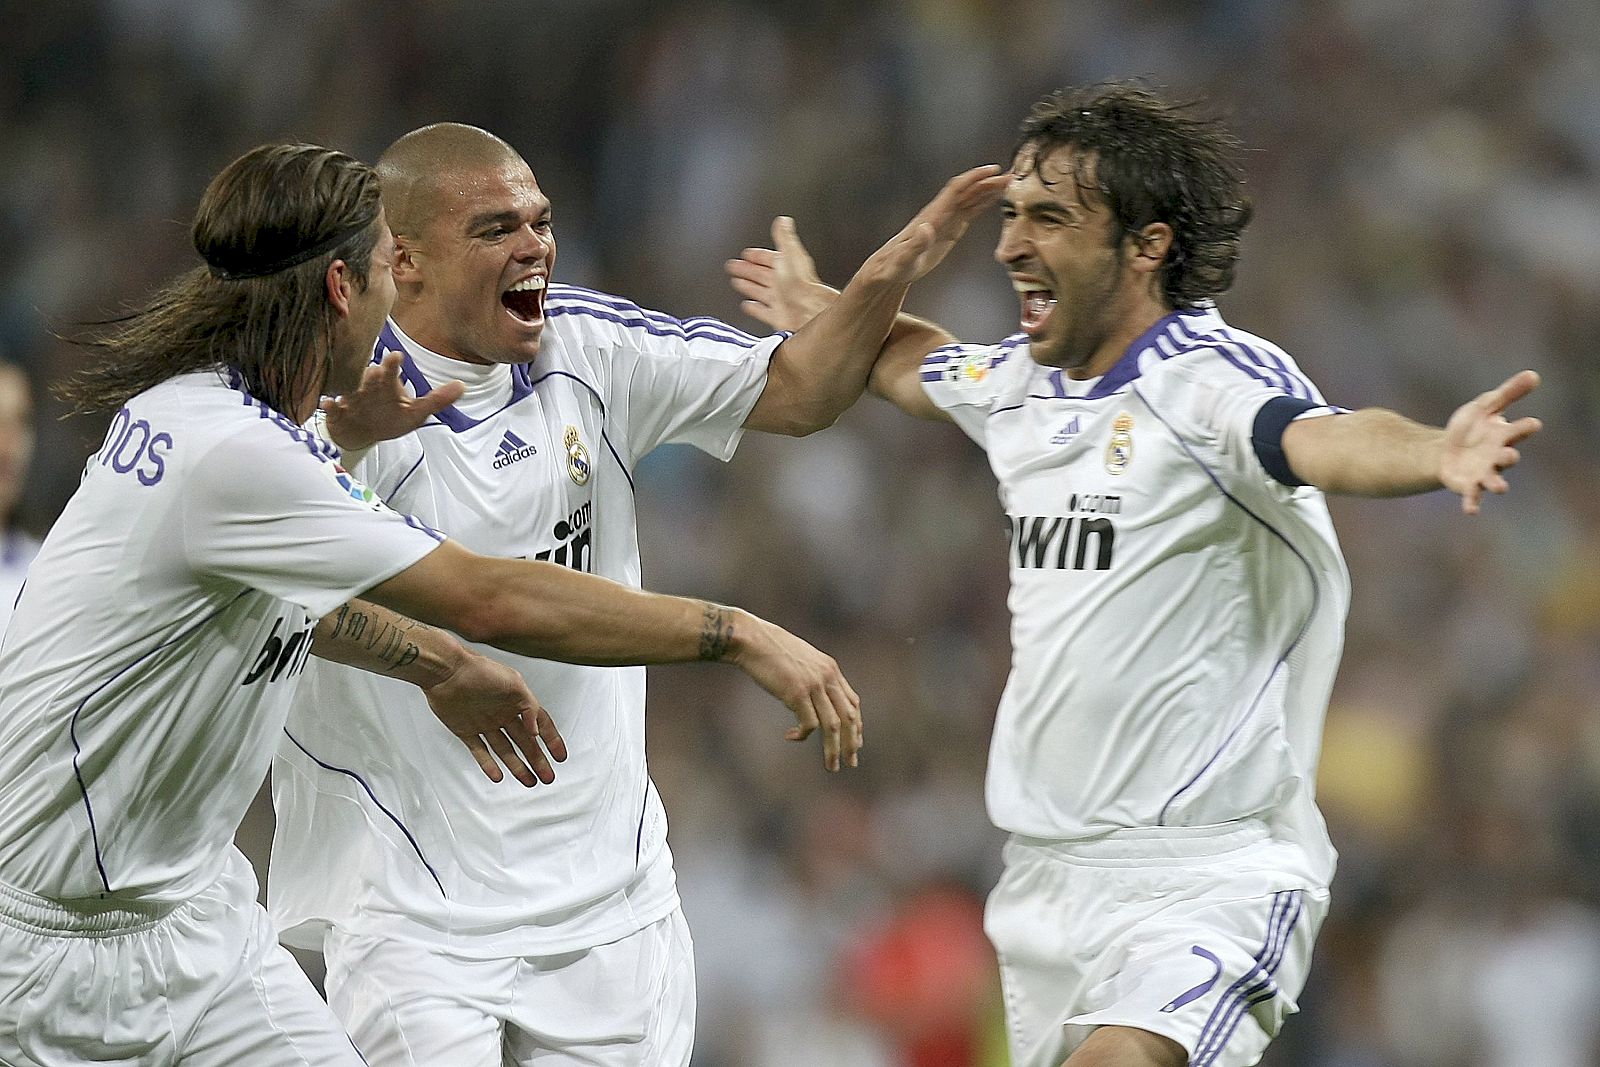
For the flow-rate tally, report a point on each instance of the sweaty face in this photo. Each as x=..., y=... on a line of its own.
x=1057, y=244
x=479, y=266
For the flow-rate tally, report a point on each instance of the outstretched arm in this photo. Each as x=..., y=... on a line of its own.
x=554, y=612
x=1374, y=452
x=486, y=704
x=781, y=289
x=820, y=371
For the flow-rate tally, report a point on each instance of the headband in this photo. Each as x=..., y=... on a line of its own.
x=294, y=259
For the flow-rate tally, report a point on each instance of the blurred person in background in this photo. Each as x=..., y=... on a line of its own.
x=455, y=929
x=1178, y=593
x=17, y=548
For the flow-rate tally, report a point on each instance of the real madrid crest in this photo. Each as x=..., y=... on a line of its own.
x=1119, y=453
x=577, y=457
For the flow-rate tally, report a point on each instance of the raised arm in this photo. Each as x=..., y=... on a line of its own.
x=486, y=704
x=820, y=371
x=781, y=289
x=554, y=612
x=1374, y=452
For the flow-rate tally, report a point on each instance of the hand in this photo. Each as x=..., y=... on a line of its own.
x=1479, y=441
x=487, y=705
x=934, y=230
x=381, y=408
x=780, y=284
x=807, y=681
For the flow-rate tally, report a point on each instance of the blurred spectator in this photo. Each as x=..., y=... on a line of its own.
x=17, y=547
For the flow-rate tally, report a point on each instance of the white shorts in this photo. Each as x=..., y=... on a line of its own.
x=630, y=1003
x=202, y=983
x=1201, y=935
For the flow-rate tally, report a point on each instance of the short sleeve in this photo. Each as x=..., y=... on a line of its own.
x=1238, y=400
x=964, y=381
x=690, y=381
x=269, y=507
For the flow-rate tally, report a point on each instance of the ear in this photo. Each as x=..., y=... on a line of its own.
x=1149, y=246
x=339, y=283
x=407, y=269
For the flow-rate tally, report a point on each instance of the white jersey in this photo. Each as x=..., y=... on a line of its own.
x=17, y=550
x=1177, y=611
x=386, y=826
x=147, y=670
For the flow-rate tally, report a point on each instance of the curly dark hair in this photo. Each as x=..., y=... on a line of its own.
x=267, y=228
x=1151, y=161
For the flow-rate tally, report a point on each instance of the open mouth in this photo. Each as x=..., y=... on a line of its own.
x=1037, y=306
x=525, y=300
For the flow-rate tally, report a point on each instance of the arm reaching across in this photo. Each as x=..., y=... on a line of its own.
x=781, y=289
x=486, y=704
x=1374, y=452
x=381, y=408
x=820, y=371
x=554, y=612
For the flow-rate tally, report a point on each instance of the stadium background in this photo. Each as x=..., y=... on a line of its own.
x=1427, y=176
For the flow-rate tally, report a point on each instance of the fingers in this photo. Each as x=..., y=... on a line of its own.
x=553, y=741
x=480, y=752
x=532, y=754
x=1510, y=391
x=503, y=748
x=787, y=239
x=746, y=270
x=832, y=728
x=848, y=707
x=1523, y=429
x=438, y=399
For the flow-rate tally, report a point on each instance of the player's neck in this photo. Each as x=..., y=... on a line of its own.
x=1127, y=324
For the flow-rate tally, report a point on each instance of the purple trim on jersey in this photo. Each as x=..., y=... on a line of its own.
x=603, y=435
x=933, y=361
x=449, y=416
x=695, y=333
x=417, y=524
x=1256, y=360
x=1126, y=369
x=77, y=749
x=627, y=307
x=376, y=802
x=390, y=494
x=325, y=451
x=1316, y=600
x=1240, y=997
x=638, y=837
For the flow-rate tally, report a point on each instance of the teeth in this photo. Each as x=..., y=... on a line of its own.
x=535, y=282
x=1028, y=287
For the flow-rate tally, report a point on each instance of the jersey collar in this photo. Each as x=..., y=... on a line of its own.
x=392, y=338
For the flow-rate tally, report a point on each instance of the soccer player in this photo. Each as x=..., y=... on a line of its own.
x=1177, y=592
x=458, y=930
x=17, y=549
x=164, y=625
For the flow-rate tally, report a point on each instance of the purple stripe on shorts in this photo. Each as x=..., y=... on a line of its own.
x=1255, y=985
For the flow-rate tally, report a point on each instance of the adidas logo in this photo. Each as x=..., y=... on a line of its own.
x=511, y=449
x=1064, y=435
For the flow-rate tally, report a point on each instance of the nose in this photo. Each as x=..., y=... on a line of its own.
x=534, y=242
x=1013, y=244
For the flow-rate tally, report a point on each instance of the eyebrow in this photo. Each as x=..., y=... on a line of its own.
x=509, y=218
x=1040, y=207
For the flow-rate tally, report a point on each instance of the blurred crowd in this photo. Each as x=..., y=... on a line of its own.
x=1427, y=182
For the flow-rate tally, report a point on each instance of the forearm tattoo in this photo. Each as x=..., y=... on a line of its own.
x=390, y=639
x=716, y=632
